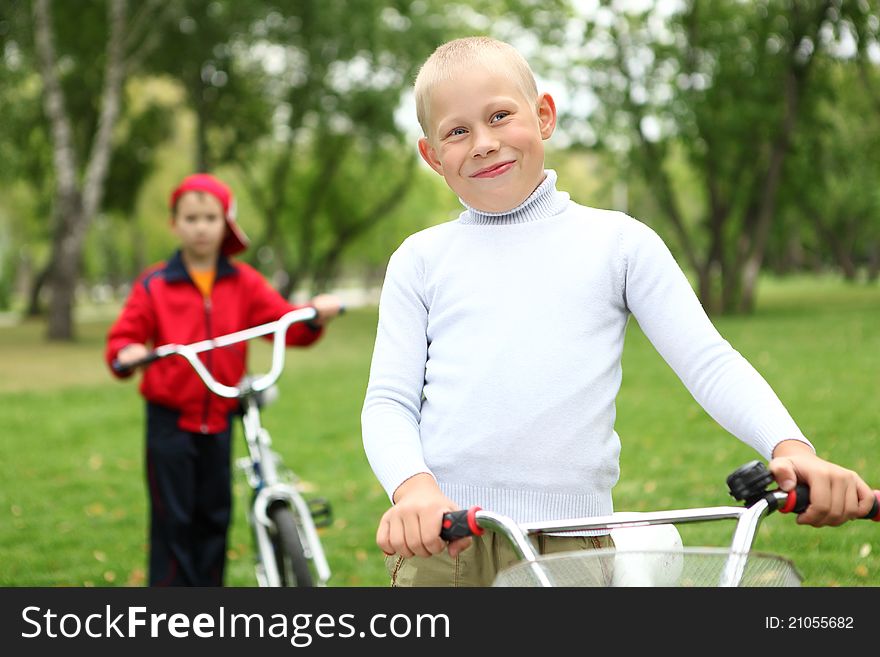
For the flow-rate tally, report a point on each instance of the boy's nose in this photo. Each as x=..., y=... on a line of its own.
x=484, y=143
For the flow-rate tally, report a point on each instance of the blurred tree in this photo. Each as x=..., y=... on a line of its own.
x=28, y=151
x=301, y=96
x=834, y=171
x=76, y=203
x=146, y=122
x=202, y=42
x=25, y=156
x=82, y=104
x=867, y=37
x=725, y=83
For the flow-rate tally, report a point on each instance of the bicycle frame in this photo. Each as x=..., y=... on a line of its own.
x=748, y=519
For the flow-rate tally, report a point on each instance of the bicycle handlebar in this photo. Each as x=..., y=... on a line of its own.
x=190, y=353
x=467, y=522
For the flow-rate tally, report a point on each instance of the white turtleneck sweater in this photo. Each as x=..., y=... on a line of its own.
x=498, y=357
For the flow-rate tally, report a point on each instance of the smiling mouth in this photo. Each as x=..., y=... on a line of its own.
x=494, y=170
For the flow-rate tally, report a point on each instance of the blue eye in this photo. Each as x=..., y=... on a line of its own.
x=457, y=131
x=498, y=116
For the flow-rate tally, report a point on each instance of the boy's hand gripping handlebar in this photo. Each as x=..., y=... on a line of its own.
x=749, y=482
x=190, y=352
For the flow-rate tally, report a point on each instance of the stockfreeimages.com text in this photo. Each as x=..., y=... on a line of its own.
x=299, y=629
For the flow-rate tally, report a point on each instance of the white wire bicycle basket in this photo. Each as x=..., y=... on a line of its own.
x=686, y=567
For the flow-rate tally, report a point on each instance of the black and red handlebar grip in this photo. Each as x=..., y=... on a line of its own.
x=458, y=524
x=799, y=498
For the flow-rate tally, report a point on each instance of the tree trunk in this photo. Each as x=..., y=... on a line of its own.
x=65, y=270
x=203, y=162
x=794, y=86
x=731, y=282
x=74, y=206
x=347, y=229
x=714, y=261
x=707, y=287
x=293, y=278
x=34, y=308
x=749, y=277
x=840, y=247
x=873, y=262
x=139, y=249
x=331, y=154
x=844, y=257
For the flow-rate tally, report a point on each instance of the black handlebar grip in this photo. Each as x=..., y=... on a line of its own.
x=799, y=499
x=458, y=524
x=874, y=513
x=119, y=368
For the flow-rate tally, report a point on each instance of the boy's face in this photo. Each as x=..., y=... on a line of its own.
x=486, y=139
x=199, y=224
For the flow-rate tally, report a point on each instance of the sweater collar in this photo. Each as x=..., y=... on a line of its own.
x=545, y=201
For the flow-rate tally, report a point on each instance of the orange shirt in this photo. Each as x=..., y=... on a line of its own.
x=203, y=279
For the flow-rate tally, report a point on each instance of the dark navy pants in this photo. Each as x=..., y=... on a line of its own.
x=188, y=477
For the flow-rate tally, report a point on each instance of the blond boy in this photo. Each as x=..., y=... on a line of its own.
x=497, y=356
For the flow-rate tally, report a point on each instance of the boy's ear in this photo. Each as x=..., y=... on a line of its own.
x=546, y=115
x=429, y=155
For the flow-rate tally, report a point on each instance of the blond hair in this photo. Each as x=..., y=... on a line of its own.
x=451, y=57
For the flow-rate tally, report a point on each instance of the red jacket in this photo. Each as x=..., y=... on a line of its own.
x=166, y=307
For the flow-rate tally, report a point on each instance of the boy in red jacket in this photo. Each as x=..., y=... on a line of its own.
x=197, y=294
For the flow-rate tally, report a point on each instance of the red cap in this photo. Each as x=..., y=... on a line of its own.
x=235, y=241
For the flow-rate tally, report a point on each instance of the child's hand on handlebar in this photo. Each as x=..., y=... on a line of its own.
x=412, y=526
x=132, y=353
x=836, y=494
x=327, y=306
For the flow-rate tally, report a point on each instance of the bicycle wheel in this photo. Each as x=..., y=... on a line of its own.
x=293, y=567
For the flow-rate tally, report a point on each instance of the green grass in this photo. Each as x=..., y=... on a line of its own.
x=72, y=498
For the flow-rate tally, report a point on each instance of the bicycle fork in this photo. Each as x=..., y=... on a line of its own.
x=308, y=533
x=268, y=490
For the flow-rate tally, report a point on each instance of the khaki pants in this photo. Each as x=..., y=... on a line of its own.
x=478, y=565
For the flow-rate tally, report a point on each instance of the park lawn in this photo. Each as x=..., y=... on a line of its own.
x=72, y=499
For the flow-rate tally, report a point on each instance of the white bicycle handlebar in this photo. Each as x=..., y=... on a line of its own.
x=190, y=352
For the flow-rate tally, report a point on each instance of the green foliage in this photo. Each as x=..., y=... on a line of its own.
x=24, y=143
x=148, y=122
x=427, y=203
x=200, y=45
x=725, y=89
x=832, y=200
